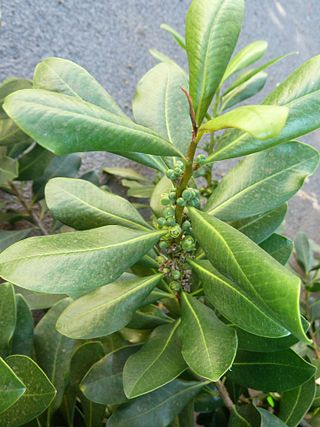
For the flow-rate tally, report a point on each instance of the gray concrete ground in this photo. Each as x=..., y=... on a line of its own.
x=111, y=40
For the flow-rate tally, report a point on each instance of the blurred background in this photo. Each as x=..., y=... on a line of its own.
x=111, y=40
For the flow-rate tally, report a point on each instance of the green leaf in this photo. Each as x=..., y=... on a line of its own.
x=164, y=185
x=76, y=261
x=33, y=164
x=65, y=124
x=126, y=173
x=259, y=227
x=54, y=351
x=280, y=171
x=22, y=340
x=12, y=84
x=161, y=57
x=103, y=382
x=8, y=237
x=10, y=133
x=177, y=37
x=8, y=169
x=212, y=30
x=156, y=409
x=83, y=205
x=299, y=93
x=38, y=300
x=273, y=371
x=65, y=166
x=157, y=363
x=11, y=387
x=37, y=397
x=66, y=77
x=270, y=292
x=208, y=345
x=245, y=91
x=304, y=251
x=8, y=316
x=279, y=247
x=269, y=420
x=260, y=121
x=295, y=403
x=105, y=310
x=244, y=416
x=151, y=316
x=161, y=105
x=245, y=57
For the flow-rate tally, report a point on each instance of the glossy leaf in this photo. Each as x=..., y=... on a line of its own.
x=295, y=403
x=269, y=420
x=161, y=105
x=83, y=205
x=245, y=57
x=33, y=164
x=66, y=77
x=208, y=345
x=303, y=251
x=53, y=350
x=244, y=416
x=177, y=37
x=259, y=227
x=127, y=173
x=157, y=363
x=11, y=387
x=65, y=124
x=212, y=30
x=103, y=382
x=151, y=316
x=279, y=247
x=273, y=371
x=22, y=340
x=261, y=121
x=8, y=237
x=279, y=172
x=245, y=91
x=272, y=292
x=8, y=316
x=65, y=166
x=37, y=397
x=76, y=261
x=300, y=93
x=107, y=309
x=156, y=409
x=8, y=169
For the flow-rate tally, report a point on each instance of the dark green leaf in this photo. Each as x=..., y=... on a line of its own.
x=259, y=227
x=212, y=30
x=208, y=345
x=156, y=409
x=11, y=387
x=151, y=316
x=38, y=300
x=83, y=205
x=157, y=363
x=8, y=316
x=77, y=261
x=272, y=371
x=12, y=84
x=65, y=124
x=10, y=133
x=37, y=397
x=269, y=420
x=279, y=247
x=103, y=382
x=33, y=164
x=8, y=169
x=279, y=172
x=22, y=340
x=295, y=403
x=8, y=237
x=106, y=310
x=270, y=292
x=244, y=416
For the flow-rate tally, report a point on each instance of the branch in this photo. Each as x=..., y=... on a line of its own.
x=224, y=395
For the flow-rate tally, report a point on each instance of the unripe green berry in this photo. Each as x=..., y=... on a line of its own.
x=175, y=231
x=163, y=245
x=176, y=274
x=178, y=172
x=160, y=259
x=170, y=174
x=172, y=195
x=171, y=220
x=181, y=201
x=186, y=225
x=195, y=203
x=161, y=221
x=165, y=270
x=175, y=286
x=188, y=244
x=167, y=212
x=179, y=164
x=201, y=159
x=187, y=194
x=165, y=200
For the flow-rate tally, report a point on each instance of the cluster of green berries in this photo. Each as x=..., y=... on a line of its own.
x=176, y=172
x=189, y=197
x=168, y=221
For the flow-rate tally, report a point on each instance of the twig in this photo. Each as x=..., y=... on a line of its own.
x=224, y=395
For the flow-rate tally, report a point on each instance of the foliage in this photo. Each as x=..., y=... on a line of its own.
x=189, y=306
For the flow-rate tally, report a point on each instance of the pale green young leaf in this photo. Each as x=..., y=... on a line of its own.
x=212, y=30
x=161, y=105
x=76, y=261
x=11, y=387
x=245, y=190
x=37, y=397
x=208, y=345
x=279, y=247
x=271, y=290
x=304, y=251
x=127, y=173
x=271, y=371
x=64, y=124
x=106, y=310
x=163, y=186
x=156, y=409
x=83, y=205
x=260, y=121
x=157, y=363
x=177, y=37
